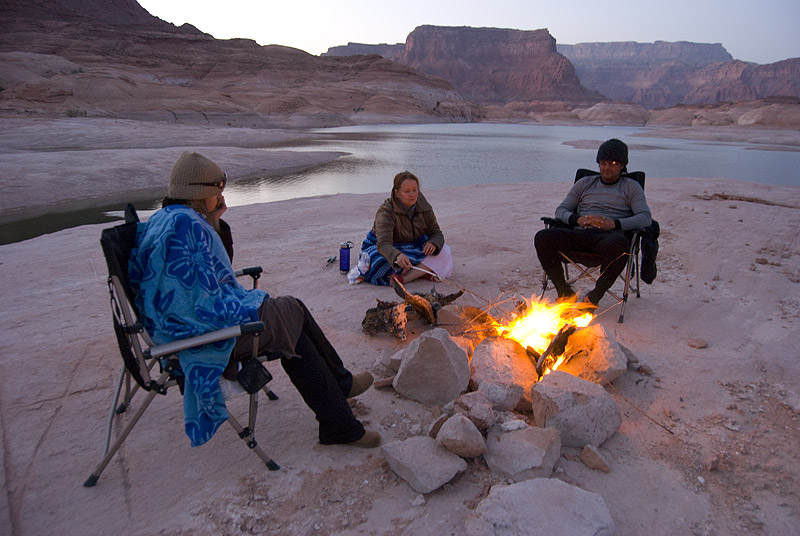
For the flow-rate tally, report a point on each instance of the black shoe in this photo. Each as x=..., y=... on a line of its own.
x=565, y=292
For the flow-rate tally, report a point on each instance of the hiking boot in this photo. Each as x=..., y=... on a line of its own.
x=369, y=440
x=361, y=382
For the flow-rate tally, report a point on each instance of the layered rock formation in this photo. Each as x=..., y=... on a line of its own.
x=663, y=74
x=495, y=65
x=492, y=66
x=390, y=52
x=479, y=63
x=112, y=58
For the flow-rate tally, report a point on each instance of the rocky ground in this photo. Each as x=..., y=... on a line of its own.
x=709, y=434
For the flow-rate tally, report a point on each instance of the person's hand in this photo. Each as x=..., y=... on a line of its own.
x=428, y=248
x=403, y=262
x=596, y=222
x=220, y=209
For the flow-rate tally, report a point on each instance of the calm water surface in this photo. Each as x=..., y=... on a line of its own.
x=445, y=155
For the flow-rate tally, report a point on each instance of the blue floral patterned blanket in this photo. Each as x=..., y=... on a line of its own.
x=185, y=286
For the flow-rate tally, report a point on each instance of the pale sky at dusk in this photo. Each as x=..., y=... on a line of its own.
x=763, y=31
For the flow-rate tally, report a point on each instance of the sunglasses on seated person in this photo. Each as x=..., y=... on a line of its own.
x=609, y=163
x=221, y=184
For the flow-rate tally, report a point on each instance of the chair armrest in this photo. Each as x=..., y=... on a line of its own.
x=253, y=271
x=554, y=222
x=173, y=347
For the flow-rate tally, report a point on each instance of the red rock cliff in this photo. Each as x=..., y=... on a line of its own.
x=494, y=65
x=112, y=58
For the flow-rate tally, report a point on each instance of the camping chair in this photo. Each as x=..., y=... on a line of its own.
x=140, y=355
x=588, y=264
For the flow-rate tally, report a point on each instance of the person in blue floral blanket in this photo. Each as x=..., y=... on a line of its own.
x=181, y=273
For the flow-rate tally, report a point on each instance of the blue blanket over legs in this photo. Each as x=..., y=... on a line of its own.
x=379, y=267
x=185, y=286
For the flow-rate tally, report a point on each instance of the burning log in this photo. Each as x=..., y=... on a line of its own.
x=556, y=348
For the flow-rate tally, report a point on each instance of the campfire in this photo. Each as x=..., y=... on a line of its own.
x=541, y=327
x=543, y=330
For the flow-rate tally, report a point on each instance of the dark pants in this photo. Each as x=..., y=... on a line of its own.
x=611, y=246
x=315, y=369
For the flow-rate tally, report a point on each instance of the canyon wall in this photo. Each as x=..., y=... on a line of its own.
x=479, y=62
x=496, y=66
x=111, y=58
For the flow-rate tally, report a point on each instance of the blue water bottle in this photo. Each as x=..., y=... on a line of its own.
x=344, y=256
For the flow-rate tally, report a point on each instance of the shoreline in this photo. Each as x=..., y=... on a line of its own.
x=78, y=167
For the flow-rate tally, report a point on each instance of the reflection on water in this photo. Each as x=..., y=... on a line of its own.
x=445, y=155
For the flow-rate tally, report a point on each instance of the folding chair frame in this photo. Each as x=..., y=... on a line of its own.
x=592, y=262
x=140, y=356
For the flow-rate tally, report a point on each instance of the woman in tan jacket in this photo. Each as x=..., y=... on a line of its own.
x=405, y=242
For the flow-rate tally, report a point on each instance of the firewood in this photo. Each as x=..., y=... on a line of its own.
x=387, y=317
x=422, y=306
x=392, y=317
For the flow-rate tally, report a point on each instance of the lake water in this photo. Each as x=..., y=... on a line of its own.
x=445, y=155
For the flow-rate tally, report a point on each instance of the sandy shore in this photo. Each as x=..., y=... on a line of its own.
x=729, y=274
x=72, y=164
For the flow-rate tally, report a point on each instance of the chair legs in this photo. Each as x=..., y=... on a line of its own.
x=589, y=273
x=109, y=452
x=247, y=434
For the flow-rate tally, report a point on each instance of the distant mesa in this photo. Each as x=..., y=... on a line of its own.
x=111, y=58
x=653, y=75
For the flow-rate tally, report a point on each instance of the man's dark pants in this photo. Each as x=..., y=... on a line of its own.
x=612, y=246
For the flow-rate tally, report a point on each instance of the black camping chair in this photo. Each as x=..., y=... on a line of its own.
x=588, y=264
x=141, y=356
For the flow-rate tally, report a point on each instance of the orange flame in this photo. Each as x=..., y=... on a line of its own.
x=541, y=321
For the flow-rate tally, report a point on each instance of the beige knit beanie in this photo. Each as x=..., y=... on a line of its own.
x=194, y=176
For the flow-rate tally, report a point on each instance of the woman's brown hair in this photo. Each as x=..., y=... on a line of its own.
x=403, y=176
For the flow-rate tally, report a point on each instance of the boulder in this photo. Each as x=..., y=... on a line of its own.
x=433, y=369
x=502, y=396
x=476, y=408
x=423, y=463
x=523, y=453
x=503, y=361
x=582, y=410
x=596, y=355
x=508, y=511
x=388, y=365
x=460, y=436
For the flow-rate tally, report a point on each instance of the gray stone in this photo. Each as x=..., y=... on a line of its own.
x=433, y=369
x=476, y=408
x=594, y=459
x=504, y=361
x=503, y=396
x=460, y=436
x=596, y=355
x=540, y=507
x=436, y=425
x=524, y=453
x=387, y=365
x=582, y=410
x=423, y=463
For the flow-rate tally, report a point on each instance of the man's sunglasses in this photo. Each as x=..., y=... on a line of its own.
x=609, y=163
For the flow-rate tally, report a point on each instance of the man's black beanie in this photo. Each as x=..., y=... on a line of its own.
x=613, y=149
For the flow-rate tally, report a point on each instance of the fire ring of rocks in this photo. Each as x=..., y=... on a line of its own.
x=509, y=394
